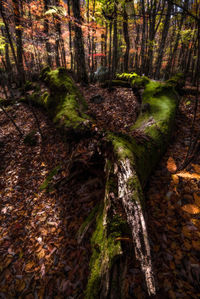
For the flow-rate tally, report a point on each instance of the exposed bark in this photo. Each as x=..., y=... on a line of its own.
x=126, y=176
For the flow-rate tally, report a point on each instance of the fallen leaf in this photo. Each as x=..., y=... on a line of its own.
x=171, y=165
x=188, y=175
x=186, y=232
x=175, y=179
x=29, y=266
x=41, y=254
x=20, y=285
x=196, y=245
x=187, y=244
x=196, y=168
x=197, y=199
x=191, y=209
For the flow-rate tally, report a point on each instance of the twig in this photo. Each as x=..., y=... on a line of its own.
x=35, y=116
x=11, y=119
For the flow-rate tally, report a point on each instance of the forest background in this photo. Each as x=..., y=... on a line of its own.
x=154, y=37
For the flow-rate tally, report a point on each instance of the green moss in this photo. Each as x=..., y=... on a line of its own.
x=87, y=222
x=105, y=251
x=28, y=86
x=119, y=225
x=64, y=102
x=156, y=126
x=46, y=183
x=115, y=83
x=44, y=72
x=126, y=76
x=140, y=82
x=44, y=99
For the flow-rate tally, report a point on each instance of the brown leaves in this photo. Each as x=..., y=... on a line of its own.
x=187, y=175
x=117, y=113
x=29, y=266
x=171, y=165
x=191, y=209
x=197, y=199
x=38, y=229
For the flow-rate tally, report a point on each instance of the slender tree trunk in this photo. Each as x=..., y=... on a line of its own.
x=142, y=67
x=7, y=30
x=79, y=46
x=102, y=48
x=70, y=34
x=153, y=27
x=60, y=47
x=115, y=42
x=110, y=48
x=88, y=35
x=163, y=40
x=136, y=47
x=93, y=38
x=46, y=32
x=18, y=31
x=196, y=80
x=191, y=49
x=8, y=66
x=127, y=40
x=105, y=49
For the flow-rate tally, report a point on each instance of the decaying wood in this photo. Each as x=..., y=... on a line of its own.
x=129, y=195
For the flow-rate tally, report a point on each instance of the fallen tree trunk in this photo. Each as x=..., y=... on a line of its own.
x=134, y=159
x=129, y=163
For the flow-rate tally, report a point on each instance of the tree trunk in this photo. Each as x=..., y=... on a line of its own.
x=70, y=34
x=115, y=42
x=105, y=48
x=18, y=31
x=7, y=30
x=127, y=40
x=127, y=172
x=46, y=32
x=142, y=65
x=163, y=40
x=79, y=46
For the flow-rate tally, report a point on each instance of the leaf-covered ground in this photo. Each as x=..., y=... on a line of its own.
x=118, y=110
x=173, y=218
x=39, y=253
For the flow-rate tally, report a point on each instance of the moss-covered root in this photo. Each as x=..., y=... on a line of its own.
x=119, y=83
x=106, y=272
x=64, y=101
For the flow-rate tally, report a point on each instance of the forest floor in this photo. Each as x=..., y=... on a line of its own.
x=40, y=256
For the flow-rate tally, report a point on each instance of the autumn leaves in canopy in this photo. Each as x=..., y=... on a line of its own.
x=157, y=37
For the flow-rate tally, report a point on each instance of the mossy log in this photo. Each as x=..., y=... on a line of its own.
x=132, y=158
x=63, y=101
